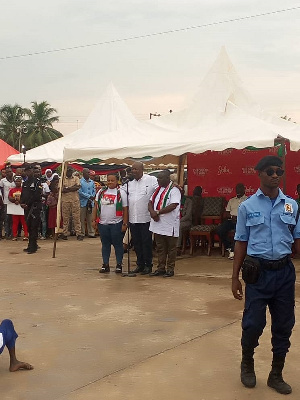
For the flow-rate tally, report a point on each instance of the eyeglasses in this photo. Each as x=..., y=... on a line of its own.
x=271, y=171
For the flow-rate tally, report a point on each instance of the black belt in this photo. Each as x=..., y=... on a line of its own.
x=274, y=265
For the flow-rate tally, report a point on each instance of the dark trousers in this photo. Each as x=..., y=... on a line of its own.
x=275, y=289
x=44, y=220
x=8, y=224
x=223, y=229
x=166, y=252
x=33, y=224
x=111, y=234
x=142, y=242
x=2, y=216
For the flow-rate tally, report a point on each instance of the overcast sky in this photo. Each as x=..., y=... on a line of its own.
x=153, y=74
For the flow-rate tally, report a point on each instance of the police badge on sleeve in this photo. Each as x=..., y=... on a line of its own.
x=288, y=208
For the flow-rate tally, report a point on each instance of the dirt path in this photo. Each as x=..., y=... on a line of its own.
x=91, y=336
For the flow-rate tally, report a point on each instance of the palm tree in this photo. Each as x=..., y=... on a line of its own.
x=40, y=124
x=12, y=121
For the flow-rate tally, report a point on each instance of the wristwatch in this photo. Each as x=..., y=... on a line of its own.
x=157, y=212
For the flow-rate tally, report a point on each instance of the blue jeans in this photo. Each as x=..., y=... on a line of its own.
x=111, y=234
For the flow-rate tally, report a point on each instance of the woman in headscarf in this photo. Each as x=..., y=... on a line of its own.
x=48, y=175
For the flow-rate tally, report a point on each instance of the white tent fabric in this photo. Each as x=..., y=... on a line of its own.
x=109, y=114
x=223, y=115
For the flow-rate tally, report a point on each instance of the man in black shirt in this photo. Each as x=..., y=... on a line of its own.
x=31, y=201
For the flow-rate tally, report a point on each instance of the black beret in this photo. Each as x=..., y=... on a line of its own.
x=267, y=161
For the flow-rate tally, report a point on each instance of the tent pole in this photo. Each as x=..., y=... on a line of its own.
x=129, y=273
x=281, y=141
x=180, y=169
x=58, y=214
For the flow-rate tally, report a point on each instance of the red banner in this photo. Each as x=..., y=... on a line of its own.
x=218, y=172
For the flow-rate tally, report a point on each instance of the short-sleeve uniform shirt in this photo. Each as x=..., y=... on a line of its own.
x=269, y=229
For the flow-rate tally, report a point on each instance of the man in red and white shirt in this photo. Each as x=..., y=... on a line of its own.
x=6, y=184
x=164, y=208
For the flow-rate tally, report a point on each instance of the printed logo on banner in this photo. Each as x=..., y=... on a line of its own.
x=297, y=169
x=273, y=150
x=225, y=152
x=246, y=151
x=249, y=190
x=224, y=190
x=248, y=170
x=224, y=170
x=200, y=171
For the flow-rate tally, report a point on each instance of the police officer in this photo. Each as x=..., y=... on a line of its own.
x=266, y=227
x=31, y=201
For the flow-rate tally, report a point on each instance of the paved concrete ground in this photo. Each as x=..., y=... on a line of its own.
x=92, y=337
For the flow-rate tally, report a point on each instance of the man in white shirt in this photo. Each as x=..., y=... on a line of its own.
x=164, y=207
x=6, y=184
x=140, y=189
x=231, y=218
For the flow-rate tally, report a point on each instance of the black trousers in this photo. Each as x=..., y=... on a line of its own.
x=2, y=217
x=142, y=242
x=222, y=230
x=275, y=290
x=33, y=224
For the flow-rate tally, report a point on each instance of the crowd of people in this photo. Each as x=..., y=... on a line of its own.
x=265, y=227
x=155, y=209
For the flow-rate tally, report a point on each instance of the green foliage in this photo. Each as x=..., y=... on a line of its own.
x=11, y=118
x=29, y=126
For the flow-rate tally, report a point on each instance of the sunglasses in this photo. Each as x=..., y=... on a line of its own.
x=271, y=171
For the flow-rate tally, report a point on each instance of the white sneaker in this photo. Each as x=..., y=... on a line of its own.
x=231, y=255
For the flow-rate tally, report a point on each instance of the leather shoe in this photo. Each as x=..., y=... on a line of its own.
x=31, y=251
x=158, y=272
x=146, y=271
x=168, y=274
x=25, y=250
x=137, y=270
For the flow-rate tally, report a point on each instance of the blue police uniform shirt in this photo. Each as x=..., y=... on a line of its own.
x=266, y=227
x=87, y=190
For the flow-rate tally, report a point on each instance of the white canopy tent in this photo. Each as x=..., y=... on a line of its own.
x=109, y=114
x=223, y=115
